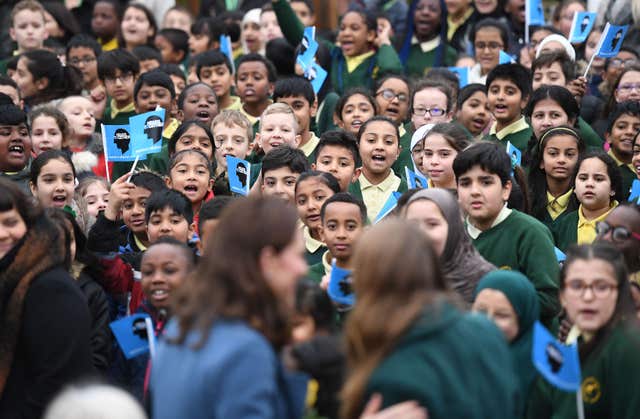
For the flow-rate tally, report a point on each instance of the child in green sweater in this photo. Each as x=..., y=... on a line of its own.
x=337, y=153
x=624, y=123
x=507, y=238
x=118, y=70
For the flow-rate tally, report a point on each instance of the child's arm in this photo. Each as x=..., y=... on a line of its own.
x=388, y=59
x=104, y=236
x=291, y=27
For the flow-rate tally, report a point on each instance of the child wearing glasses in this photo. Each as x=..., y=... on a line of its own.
x=118, y=70
x=621, y=228
x=488, y=38
x=82, y=53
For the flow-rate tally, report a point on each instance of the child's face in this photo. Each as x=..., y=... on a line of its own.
x=354, y=36
x=149, y=97
x=12, y=92
x=547, y=113
x=177, y=19
x=200, y=103
x=192, y=77
x=54, y=185
x=635, y=161
x=168, y=223
x=310, y=195
x=379, y=147
x=429, y=107
x=136, y=28
x=148, y=65
x=45, y=134
x=192, y=177
x=230, y=141
x=303, y=12
x=505, y=101
x=629, y=87
x=280, y=183
x=437, y=162
x=120, y=87
x=24, y=79
x=482, y=195
x=133, y=210
x=253, y=85
x=551, y=75
x=195, y=138
x=28, y=30
x=277, y=129
x=593, y=185
x=303, y=328
x=487, y=48
x=341, y=227
x=15, y=147
x=207, y=228
x=218, y=77
x=623, y=131
x=397, y=107
x=84, y=59
x=252, y=36
x=269, y=28
x=515, y=8
x=566, y=17
x=198, y=43
x=163, y=270
x=104, y=21
x=430, y=220
x=178, y=84
x=426, y=18
x=79, y=112
x=456, y=7
x=169, y=55
x=474, y=113
x=357, y=110
x=97, y=198
x=302, y=109
x=560, y=157
x=339, y=162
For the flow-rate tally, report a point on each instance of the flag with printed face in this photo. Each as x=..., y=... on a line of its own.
x=557, y=363
x=462, y=73
x=514, y=154
x=581, y=26
x=131, y=334
x=238, y=172
x=534, y=13
x=611, y=40
x=388, y=206
x=117, y=143
x=227, y=49
x=146, y=132
x=340, y=287
x=415, y=180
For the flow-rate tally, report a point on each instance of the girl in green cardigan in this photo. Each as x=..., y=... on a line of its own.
x=363, y=54
x=594, y=290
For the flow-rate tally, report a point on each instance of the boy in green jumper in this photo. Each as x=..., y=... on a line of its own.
x=506, y=238
x=214, y=69
x=337, y=153
x=624, y=124
x=508, y=89
x=27, y=28
x=343, y=219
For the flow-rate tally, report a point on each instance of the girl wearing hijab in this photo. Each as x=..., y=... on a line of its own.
x=438, y=215
x=510, y=300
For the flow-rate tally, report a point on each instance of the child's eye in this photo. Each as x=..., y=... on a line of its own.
x=290, y=182
x=302, y=200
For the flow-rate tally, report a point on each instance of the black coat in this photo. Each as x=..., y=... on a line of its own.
x=99, y=310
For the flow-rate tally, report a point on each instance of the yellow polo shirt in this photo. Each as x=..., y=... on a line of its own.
x=171, y=128
x=311, y=244
x=311, y=145
x=236, y=104
x=375, y=196
x=354, y=62
x=587, y=228
x=252, y=119
x=452, y=26
x=115, y=110
x=556, y=206
x=519, y=125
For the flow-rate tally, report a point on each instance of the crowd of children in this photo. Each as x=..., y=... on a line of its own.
x=404, y=228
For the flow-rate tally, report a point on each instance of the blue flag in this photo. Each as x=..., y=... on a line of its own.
x=340, y=287
x=505, y=58
x=462, y=73
x=309, y=47
x=634, y=193
x=534, y=13
x=117, y=143
x=146, y=132
x=557, y=363
x=560, y=256
x=415, y=180
x=388, y=206
x=514, y=154
x=131, y=334
x=238, y=172
x=611, y=40
x=581, y=26
x=227, y=49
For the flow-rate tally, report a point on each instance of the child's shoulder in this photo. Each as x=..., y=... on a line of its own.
x=526, y=222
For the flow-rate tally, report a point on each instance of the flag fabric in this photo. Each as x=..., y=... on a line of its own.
x=146, y=132
x=227, y=49
x=415, y=180
x=307, y=60
x=388, y=206
x=557, y=363
x=462, y=73
x=634, y=192
x=611, y=40
x=534, y=13
x=581, y=26
x=340, y=287
x=131, y=334
x=117, y=142
x=505, y=58
x=238, y=172
x=560, y=256
x=514, y=154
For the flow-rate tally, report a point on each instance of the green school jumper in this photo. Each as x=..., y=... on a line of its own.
x=565, y=230
x=404, y=159
x=385, y=60
x=522, y=243
x=628, y=175
x=324, y=117
x=316, y=272
x=610, y=382
x=518, y=133
x=420, y=62
x=121, y=118
x=591, y=138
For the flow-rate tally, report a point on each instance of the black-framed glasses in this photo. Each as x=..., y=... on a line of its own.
x=618, y=233
x=600, y=288
x=124, y=78
x=83, y=60
x=431, y=111
x=389, y=95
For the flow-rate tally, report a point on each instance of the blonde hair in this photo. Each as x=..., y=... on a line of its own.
x=279, y=108
x=31, y=5
x=229, y=118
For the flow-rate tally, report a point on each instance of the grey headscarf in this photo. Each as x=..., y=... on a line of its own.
x=461, y=264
